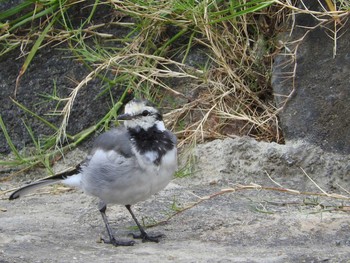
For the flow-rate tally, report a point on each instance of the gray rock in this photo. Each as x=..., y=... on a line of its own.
x=245, y=160
x=318, y=107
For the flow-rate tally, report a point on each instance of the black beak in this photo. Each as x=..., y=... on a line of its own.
x=124, y=117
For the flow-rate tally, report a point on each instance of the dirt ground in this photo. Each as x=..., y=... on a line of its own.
x=57, y=224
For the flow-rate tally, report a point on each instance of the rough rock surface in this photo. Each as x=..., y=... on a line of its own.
x=318, y=106
x=246, y=225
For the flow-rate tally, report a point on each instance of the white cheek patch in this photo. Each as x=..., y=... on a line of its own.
x=160, y=126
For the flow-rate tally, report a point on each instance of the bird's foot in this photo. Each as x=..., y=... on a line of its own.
x=147, y=238
x=118, y=243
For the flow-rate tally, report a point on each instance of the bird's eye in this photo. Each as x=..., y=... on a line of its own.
x=145, y=113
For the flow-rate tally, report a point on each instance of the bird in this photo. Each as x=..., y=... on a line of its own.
x=127, y=164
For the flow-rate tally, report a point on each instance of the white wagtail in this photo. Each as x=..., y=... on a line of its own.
x=127, y=165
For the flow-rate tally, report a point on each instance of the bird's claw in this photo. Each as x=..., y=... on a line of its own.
x=146, y=237
x=118, y=243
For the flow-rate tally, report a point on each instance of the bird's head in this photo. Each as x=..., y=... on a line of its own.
x=141, y=114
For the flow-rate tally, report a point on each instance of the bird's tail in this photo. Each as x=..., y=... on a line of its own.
x=43, y=182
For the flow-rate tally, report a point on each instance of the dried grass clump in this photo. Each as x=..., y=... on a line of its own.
x=236, y=97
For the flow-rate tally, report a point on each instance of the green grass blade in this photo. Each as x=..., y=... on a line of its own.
x=188, y=48
x=15, y=10
x=8, y=140
x=31, y=134
x=170, y=41
x=31, y=16
x=33, y=51
x=11, y=163
x=39, y=156
x=234, y=14
x=35, y=115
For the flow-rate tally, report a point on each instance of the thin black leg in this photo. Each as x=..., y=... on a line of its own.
x=112, y=239
x=144, y=236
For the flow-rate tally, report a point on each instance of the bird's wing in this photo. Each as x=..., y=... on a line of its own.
x=116, y=139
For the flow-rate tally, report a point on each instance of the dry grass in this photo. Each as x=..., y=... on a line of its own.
x=233, y=94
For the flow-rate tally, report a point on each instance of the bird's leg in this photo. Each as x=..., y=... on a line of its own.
x=112, y=240
x=143, y=235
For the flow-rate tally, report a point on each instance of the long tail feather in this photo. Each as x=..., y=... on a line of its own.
x=43, y=182
x=30, y=188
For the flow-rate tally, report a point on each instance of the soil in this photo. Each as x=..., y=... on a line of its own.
x=58, y=224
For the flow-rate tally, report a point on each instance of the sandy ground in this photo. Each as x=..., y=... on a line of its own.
x=61, y=225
